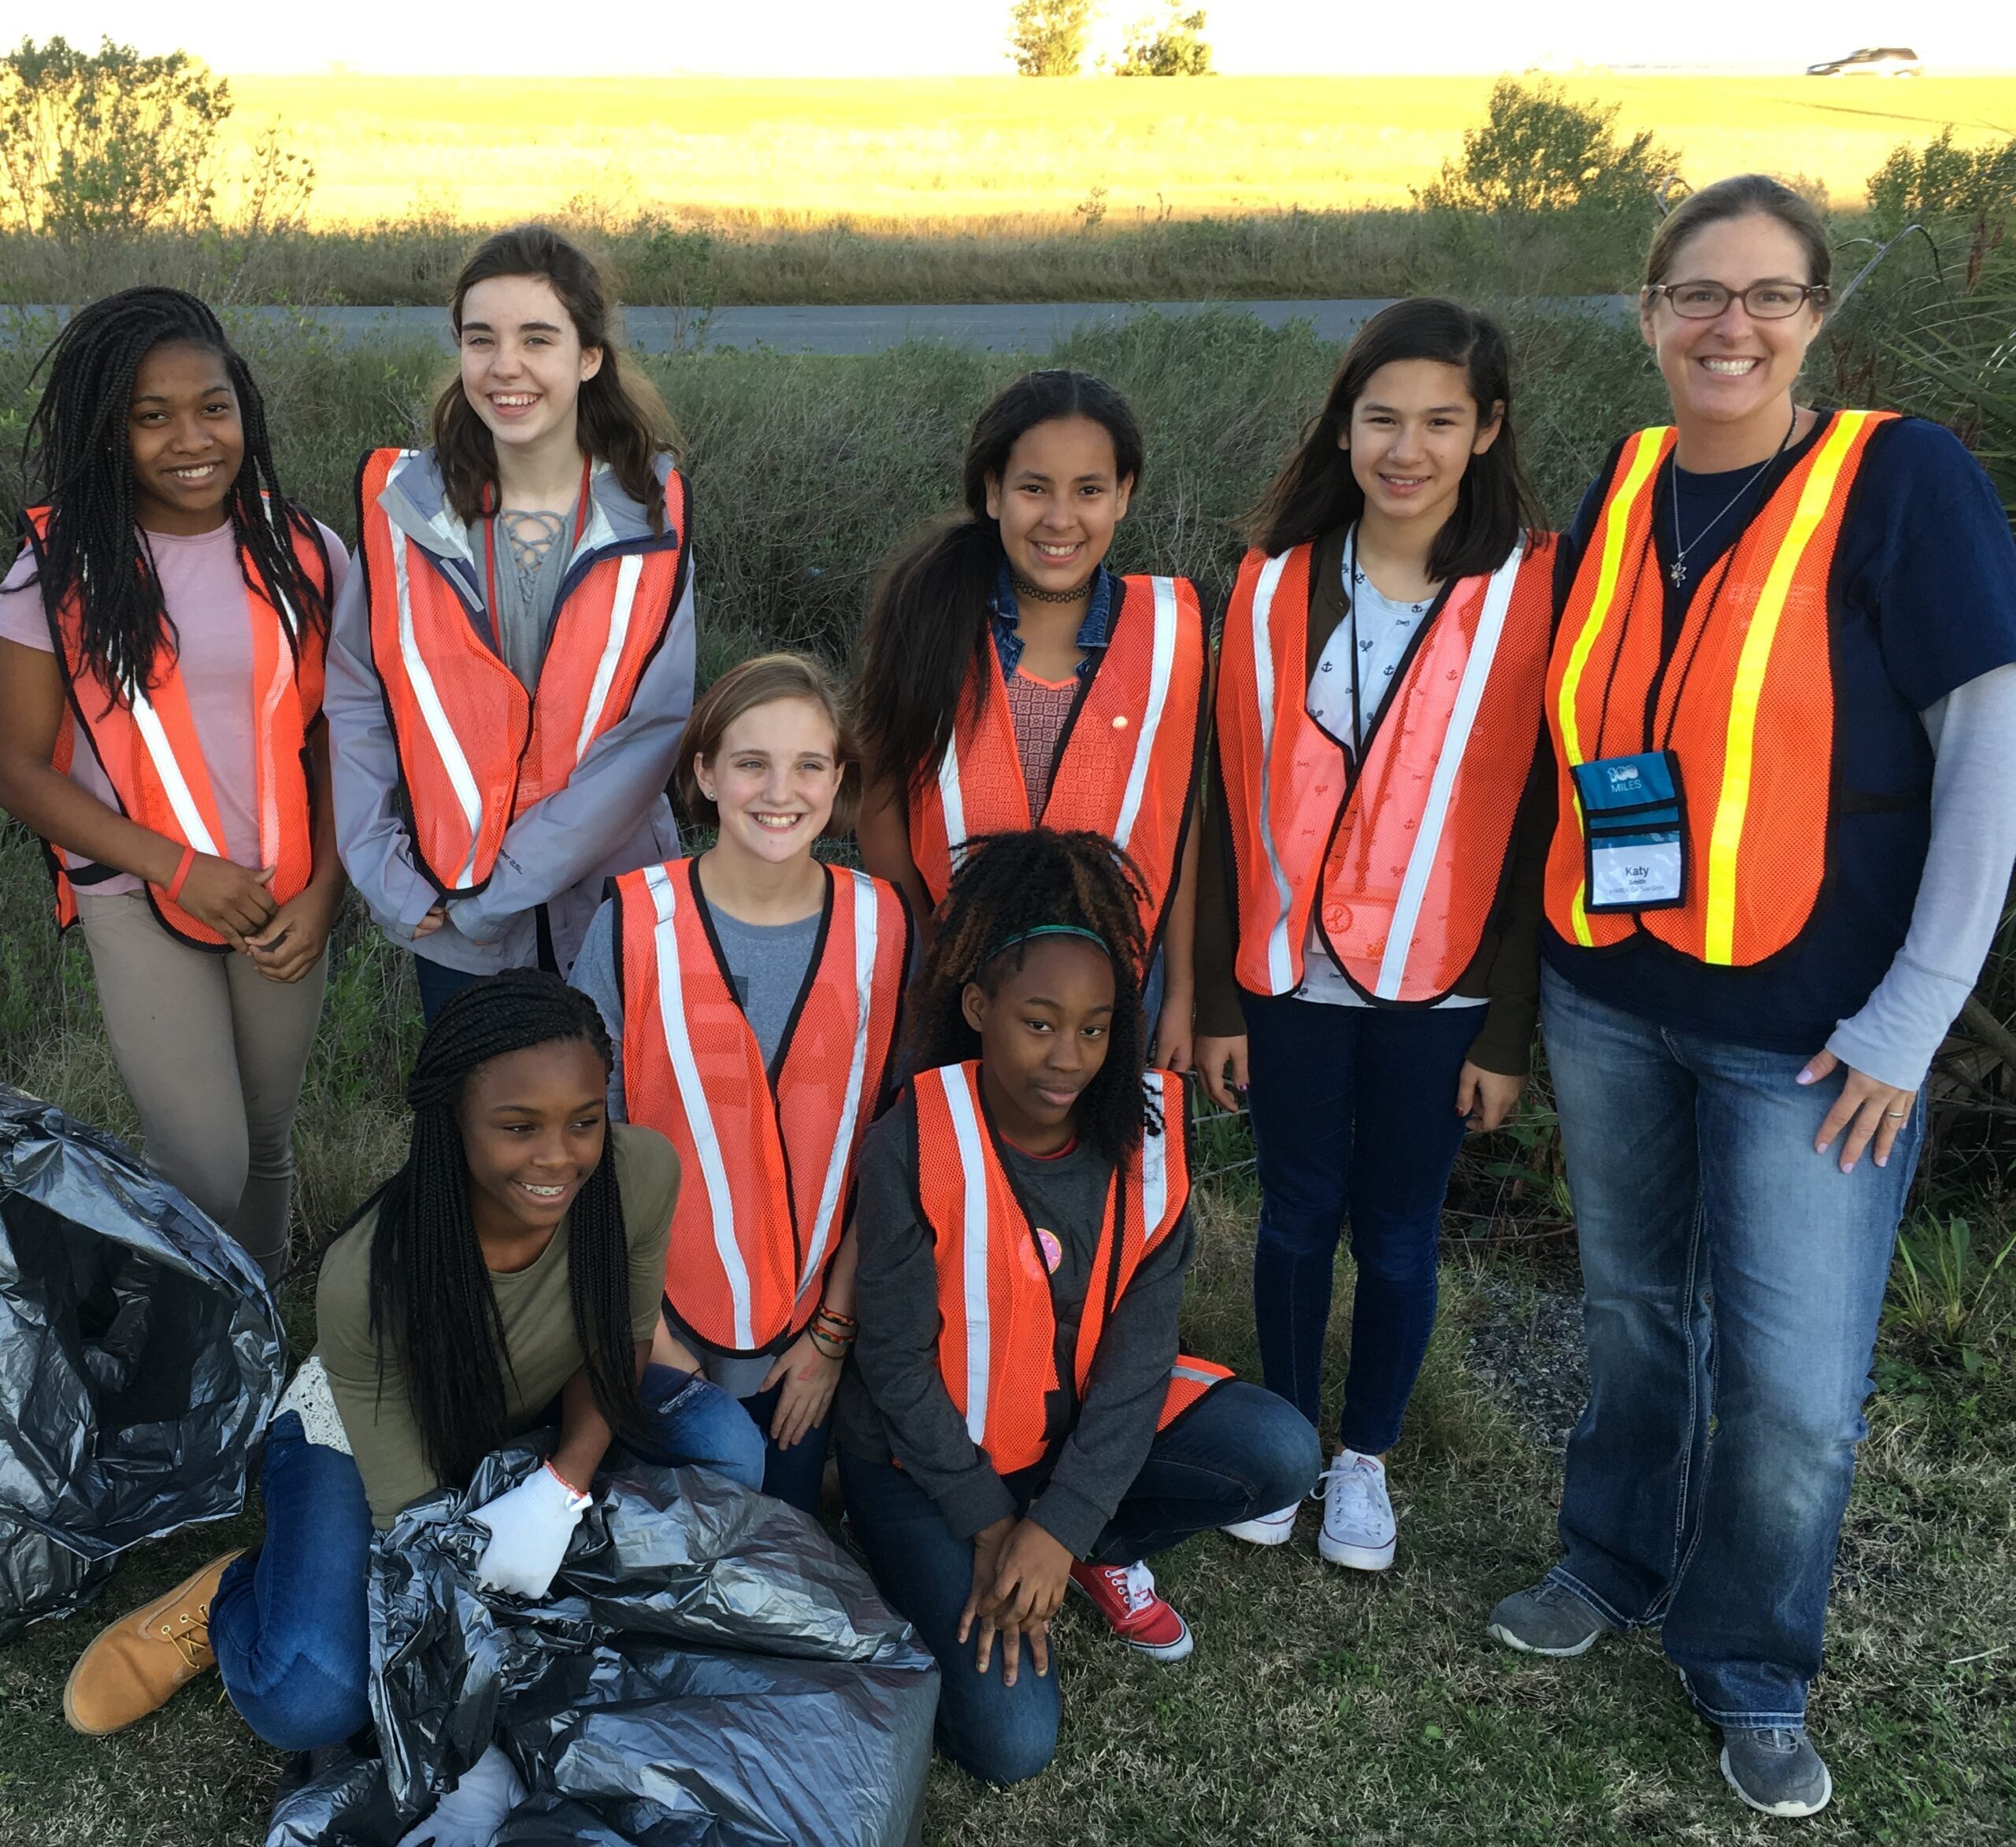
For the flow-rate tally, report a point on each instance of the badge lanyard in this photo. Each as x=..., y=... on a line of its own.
x=490, y=539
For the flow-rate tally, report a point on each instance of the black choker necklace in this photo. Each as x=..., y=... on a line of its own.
x=1026, y=592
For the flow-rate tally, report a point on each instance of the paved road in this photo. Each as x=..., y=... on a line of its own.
x=1010, y=327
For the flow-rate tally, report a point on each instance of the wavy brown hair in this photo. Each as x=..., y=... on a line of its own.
x=622, y=419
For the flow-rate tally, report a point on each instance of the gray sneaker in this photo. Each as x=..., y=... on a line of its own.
x=1777, y=1772
x=1548, y=1619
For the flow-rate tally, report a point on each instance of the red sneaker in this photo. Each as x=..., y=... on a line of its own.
x=1125, y=1596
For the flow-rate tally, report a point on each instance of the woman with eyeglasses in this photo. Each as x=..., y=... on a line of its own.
x=1783, y=701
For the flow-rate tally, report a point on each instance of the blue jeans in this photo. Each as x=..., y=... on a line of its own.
x=1239, y=1452
x=289, y=1622
x=797, y=1475
x=1354, y=1116
x=1729, y=1273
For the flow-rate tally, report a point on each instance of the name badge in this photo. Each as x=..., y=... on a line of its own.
x=1633, y=832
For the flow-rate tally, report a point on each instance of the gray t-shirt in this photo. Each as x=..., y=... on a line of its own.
x=532, y=555
x=766, y=965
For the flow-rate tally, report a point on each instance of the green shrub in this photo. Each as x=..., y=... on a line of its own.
x=1940, y=181
x=1176, y=48
x=1540, y=151
x=1046, y=38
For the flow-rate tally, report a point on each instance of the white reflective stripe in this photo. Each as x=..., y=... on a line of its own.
x=153, y=735
x=263, y=770
x=1196, y=1374
x=693, y=1099
x=866, y=925
x=1281, y=965
x=627, y=573
x=969, y=1138
x=1162, y=665
x=1154, y=1169
x=1455, y=745
x=953, y=801
x=446, y=744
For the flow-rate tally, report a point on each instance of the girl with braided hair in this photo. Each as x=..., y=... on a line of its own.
x=1018, y=1419
x=505, y=1280
x=1009, y=679
x=161, y=637
x=511, y=668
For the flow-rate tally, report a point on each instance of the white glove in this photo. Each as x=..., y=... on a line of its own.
x=529, y=1527
x=475, y=1808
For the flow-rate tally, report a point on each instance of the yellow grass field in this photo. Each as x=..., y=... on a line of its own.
x=959, y=150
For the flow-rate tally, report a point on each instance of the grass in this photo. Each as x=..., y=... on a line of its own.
x=1319, y=1708
x=951, y=150
x=722, y=191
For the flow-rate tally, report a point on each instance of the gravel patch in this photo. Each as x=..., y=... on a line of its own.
x=1524, y=1349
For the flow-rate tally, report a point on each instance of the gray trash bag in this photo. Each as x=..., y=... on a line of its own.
x=140, y=1354
x=709, y=1668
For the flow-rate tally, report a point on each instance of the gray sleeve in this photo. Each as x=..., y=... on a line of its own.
x=371, y=839
x=896, y=1353
x=1961, y=893
x=1123, y=1400
x=558, y=840
x=595, y=974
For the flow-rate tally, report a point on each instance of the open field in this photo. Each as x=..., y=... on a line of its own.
x=1320, y=1709
x=940, y=153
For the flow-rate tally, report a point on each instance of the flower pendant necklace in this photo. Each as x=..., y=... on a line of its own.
x=1677, y=570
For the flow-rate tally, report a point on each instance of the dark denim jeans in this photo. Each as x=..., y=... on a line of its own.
x=437, y=981
x=1240, y=1452
x=1731, y=1274
x=796, y=1475
x=1354, y=1117
x=289, y=1621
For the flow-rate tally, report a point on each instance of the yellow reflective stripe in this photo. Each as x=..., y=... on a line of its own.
x=1647, y=447
x=1731, y=808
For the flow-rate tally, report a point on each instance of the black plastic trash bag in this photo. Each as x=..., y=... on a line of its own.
x=709, y=1668
x=140, y=1355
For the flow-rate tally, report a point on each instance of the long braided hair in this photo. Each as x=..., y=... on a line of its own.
x=431, y=1298
x=75, y=459
x=1006, y=885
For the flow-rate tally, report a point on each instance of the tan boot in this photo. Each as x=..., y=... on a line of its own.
x=132, y=1668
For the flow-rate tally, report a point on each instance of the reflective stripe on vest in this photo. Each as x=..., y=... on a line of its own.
x=476, y=751
x=1126, y=764
x=1401, y=865
x=145, y=740
x=1744, y=699
x=768, y=1165
x=998, y=1336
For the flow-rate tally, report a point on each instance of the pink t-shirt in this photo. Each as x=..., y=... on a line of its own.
x=204, y=592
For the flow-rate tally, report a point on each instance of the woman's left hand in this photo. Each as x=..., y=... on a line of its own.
x=809, y=1380
x=1868, y=1108
x=1485, y=1098
x=297, y=933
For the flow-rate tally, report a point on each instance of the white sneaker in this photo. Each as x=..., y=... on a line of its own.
x=1267, y=1529
x=1358, y=1527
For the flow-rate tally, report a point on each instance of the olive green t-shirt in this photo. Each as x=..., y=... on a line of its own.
x=542, y=1350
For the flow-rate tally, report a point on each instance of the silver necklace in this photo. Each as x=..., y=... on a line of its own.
x=1678, y=570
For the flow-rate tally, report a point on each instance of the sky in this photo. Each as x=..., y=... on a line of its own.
x=923, y=37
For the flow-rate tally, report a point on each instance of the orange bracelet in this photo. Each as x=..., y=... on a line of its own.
x=174, y=885
x=578, y=1494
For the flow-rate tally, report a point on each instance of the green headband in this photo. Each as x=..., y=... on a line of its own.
x=1020, y=937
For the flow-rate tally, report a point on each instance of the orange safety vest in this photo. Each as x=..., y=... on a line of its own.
x=1125, y=765
x=1747, y=708
x=475, y=749
x=997, y=1331
x=1402, y=862
x=766, y=1157
x=144, y=738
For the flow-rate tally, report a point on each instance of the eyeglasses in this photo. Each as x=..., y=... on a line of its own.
x=1761, y=301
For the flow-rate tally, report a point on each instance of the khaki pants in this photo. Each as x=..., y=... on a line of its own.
x=213, y=1054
